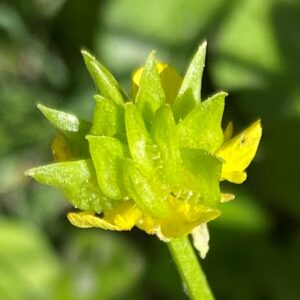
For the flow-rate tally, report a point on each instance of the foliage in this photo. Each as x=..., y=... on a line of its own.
x=253, y=52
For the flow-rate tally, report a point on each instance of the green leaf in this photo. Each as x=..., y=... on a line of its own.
x=72, y=128
x=245, y=213
x=108, y=118
x=165, y=136
x=248, y=67
x=190, y=91
x=107, y=86
x=109, y=259
x=206, y=171
x=70, y=125
x=140, y=144
x=29, y=267
x=108, y=155
x=201, y=128
x=147, y=192
x=77, y=179
x=150, y=95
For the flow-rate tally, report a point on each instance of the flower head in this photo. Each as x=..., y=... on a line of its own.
x=153, y=159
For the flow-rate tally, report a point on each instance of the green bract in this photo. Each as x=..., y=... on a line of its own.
x=142, y=161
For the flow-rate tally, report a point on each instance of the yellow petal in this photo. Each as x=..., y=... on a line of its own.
x=88, y=220
x=238, y=152
x=122, y=217
x=170, y=79
x=235, y=177
x=184, y=217
x=60, y=149
x=125, y=215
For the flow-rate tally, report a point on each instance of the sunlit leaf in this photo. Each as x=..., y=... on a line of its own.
x=201, y=129
x=165, y=136
x=108, y=155
x=139, y=142
x=169, y=77
x=206, y=171
x=190, y=91
x=107, y=86
x=71, y=142
x=148, y=193
x=108, y=118
x=68, y=124
x=150, y=95
x=77, y=179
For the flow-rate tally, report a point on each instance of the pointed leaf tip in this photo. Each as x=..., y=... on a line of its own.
x=150, y=95
x=203, y=45
x=86, y=54
x=105, y=82
x=190, y=91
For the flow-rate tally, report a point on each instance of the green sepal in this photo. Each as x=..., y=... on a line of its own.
x=68, y=124
x=201, y=129
x=165, y=136
x=105, y=82
x=150, y=95
x=190, y=91
x=72, y=128
x=108, y=118
x=205, y=168
x=108, y=155
x=140, y=144
x=147, y=192
x=77, y=179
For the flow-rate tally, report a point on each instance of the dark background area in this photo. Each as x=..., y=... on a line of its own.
x=253, y=53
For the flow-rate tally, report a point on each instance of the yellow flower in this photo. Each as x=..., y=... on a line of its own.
x=153, y=160
x=236, y=154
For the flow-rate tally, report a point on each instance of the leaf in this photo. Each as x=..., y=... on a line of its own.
x=140, y=145
x=170, y=81
x=29, y=267
x=165, y=136
x=246, y=66
x=108, y=258
x=71, y=142
x=108, y=118
x=175, y=24
x=77, y=179
x=206, y=171
x=108, y=154
x=150, y=95
x=148, y=193
x=107, y=86
x=238, y=152
x=245, y=214
x=190, y=91
x=70, y=125
x=201, y=129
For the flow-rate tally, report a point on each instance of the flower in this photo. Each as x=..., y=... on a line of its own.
x=152, y=160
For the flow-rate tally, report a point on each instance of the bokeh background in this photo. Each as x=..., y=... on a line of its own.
x=253, y=52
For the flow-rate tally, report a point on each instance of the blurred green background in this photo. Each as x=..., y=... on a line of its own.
x=253, y=52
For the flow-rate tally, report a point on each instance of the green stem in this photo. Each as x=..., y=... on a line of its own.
x=190, y=269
